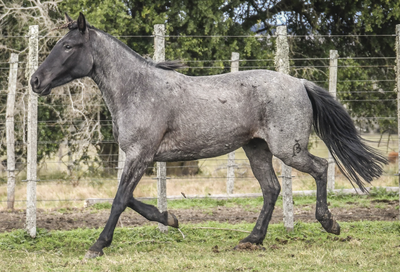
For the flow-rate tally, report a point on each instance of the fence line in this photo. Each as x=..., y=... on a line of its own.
x=271, y=67
x=114, y=142
x=232, y=61
x=259, y=60
x=3, y=92
x=226, y=36
x=110, y=120
x=92, y=201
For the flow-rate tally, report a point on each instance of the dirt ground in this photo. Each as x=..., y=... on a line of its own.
x=90, y=218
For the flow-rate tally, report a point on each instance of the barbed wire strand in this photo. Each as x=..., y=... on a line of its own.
x=257, y=36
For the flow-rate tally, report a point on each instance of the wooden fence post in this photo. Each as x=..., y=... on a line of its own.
x=230, y=182
x=333, y=67
x=282, y=66
x=398, y=100
x=32, y=134
x=159, y=55
x=12, y=87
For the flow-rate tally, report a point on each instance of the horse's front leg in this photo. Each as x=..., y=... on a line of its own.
x=151, y=213
x=135, y=166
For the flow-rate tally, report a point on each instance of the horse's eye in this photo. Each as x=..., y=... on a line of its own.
x=67, y=46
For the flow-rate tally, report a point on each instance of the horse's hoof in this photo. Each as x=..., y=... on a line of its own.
x=331, y=226
x=329, y=223
x=172, y=220
x=335, y=227
x=93, y=254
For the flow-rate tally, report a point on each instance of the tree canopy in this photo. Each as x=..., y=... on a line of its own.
x=204, y=33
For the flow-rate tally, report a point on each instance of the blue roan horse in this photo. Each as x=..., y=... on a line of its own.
x=161, y=115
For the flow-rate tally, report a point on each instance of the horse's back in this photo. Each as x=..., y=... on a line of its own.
x=256, y=98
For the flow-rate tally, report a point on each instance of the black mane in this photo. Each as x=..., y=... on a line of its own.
x=171, y=65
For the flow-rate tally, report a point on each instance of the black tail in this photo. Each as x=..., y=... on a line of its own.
x=357, y=161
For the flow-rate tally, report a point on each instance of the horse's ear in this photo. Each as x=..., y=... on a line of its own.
x=67, y=18
x=81, y=23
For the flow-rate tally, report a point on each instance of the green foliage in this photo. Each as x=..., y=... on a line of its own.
x=132, y=22
x=380, y=192
x=368, y=99
x=182, y=18
x=364, y=85
x=16, y=18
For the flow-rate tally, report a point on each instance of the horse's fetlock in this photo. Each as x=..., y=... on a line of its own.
x=323, y=217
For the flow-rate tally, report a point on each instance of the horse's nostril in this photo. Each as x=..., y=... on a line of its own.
x=36, y=82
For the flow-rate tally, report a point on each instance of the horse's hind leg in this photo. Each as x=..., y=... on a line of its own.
x=317, y=168
x=260, y=159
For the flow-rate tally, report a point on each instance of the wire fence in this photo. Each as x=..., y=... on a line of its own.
x=97, y=172
x=208, y=176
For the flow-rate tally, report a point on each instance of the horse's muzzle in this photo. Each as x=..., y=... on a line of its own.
x=37, y=88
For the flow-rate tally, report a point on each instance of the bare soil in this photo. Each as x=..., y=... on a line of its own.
x=89, y=218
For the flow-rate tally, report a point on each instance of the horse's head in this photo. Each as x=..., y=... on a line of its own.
x=71, y=58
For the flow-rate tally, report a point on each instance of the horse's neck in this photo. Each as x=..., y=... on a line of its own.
x=116, y=70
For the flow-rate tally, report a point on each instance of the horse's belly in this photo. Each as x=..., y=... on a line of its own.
x=188, y=155
x=179, y=149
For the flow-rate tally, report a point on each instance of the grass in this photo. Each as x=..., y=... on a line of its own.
x=362, y=246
